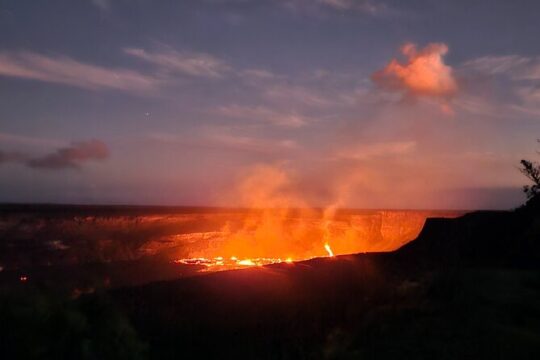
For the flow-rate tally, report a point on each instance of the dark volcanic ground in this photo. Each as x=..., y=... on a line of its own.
x=80, y=248
x=461, y=290
x=364, y=306
x=466, y=288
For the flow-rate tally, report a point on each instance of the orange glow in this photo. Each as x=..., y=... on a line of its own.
x=261, y=237
x=232, y=263
x=246, y=262
x=328, y=250
x=264, y=237
x=281, y=227
x=423, y=74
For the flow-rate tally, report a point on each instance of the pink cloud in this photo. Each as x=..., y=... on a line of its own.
x=264, y=114
x=316, y=6
x=64, y=70
x=515, y=67
x=424, y=73
x=188, y=63
x=250, y=144
x=296, y=94
x=377, y=150
x=358, y=5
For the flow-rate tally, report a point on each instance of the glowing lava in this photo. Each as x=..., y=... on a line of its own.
x=246, y=262
x=219, y=263
x=328, y=250
x=269, y=236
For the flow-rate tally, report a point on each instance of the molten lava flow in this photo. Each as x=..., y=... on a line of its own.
x=246, y=262
x=219, y=263
x=280, y=226
x=263, y=237
x=328, y=250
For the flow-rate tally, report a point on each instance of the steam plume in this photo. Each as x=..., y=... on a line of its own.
x=424, y=73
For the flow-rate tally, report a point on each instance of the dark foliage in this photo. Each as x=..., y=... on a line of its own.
x=532, y=171
x=38, y=325
x=465, y=288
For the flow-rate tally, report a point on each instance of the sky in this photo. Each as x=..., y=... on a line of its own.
x=417, y=104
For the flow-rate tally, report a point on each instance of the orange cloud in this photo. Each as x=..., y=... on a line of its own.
x=424, y=73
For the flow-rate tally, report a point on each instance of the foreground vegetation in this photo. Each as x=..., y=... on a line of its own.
x=467, y=288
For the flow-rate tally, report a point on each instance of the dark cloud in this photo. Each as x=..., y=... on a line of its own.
x=72, y=156
x=6, y=157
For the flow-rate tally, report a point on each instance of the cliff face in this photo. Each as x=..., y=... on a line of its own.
x=479, y=238
x=34, y=238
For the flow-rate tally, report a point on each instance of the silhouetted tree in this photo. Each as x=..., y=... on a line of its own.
x=532, y=171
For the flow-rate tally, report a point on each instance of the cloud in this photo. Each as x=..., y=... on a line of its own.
x=358, y=5
x=64, y=70
x=309, y=6
x=261, y=113
x=258, y=74
x=183, y=62
x=379, y=149
x=68, y=71
x=511, y=80
x=296, y=95
x=516, y=67
x=102, y=5
x=6, y=157
x=223, y=138
x=72, y=156
x=423, y=74
x=250, y=144
x=14, y=139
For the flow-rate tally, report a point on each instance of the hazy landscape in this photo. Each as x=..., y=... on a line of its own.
x=106, y=281
x=270, y=179
x=133, y=245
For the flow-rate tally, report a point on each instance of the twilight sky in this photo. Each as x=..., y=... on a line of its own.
x=359, y=103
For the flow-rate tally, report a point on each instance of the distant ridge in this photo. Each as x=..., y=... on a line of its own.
x=478, y=238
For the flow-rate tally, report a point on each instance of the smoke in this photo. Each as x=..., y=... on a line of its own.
x=278, y=224
x=423, y=74
x=267, y=186
x=102, y=5
x=281, y=222
x=6, y=157
x=72, y=156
